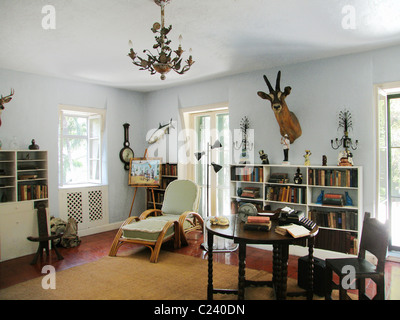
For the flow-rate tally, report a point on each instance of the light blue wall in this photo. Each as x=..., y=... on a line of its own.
x=33, y=114
x=320, y=89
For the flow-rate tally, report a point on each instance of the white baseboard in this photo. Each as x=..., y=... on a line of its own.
x=99, y=229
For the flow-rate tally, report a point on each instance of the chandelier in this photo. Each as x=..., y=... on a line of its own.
x=162, y=62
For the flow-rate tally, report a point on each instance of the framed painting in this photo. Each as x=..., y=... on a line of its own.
x=145, y=172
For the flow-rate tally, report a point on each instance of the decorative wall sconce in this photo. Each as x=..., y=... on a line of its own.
x=345, y=122
x=245, y=145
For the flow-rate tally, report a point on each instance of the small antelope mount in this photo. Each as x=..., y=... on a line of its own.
x=4, y=100
x=287, y=120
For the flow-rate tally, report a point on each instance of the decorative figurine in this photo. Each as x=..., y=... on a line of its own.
x=285, y=142
x=349, y=201
x=320, y=197
x=239, y=191
x=307, y=158
x=298, y=177
x=263, y=157
x=33, y=146
x=324, y=160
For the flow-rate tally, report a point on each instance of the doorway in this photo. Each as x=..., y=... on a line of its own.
x=209, y=126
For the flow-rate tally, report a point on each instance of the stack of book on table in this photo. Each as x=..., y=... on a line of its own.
x=258, y=223
x=294, y=230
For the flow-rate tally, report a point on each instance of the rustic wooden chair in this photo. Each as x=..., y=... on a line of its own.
x=44, y=236
x=177, y=217
x=374, y=239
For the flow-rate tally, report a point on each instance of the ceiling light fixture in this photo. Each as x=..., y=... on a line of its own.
x=162, y=62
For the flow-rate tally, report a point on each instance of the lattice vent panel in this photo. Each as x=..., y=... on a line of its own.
x=95, y=205
x=74, y=206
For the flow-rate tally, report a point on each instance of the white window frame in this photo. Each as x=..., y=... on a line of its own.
x=90, y=114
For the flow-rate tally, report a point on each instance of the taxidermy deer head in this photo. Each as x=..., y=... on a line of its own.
x=287, y=120
x=4, y=100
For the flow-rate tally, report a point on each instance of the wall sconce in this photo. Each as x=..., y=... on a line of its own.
x=346, y=123
x=245, y=145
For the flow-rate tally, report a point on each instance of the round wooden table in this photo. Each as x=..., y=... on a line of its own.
x=280, y=244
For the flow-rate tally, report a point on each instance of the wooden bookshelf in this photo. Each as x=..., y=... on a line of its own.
x=169, y=173
x=339, y=225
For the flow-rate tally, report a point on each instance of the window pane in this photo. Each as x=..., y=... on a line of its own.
x=223, y=190
x=75, y=125
x=202, y=127
x=395, y=222
x=74, y=161
x=395, y=172
x=94, y=127
x=94, y=149
x=395, y=122
x=94, y=170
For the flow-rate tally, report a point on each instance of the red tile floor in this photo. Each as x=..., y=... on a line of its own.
x=96, y=246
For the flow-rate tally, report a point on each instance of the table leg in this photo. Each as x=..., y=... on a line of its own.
x=284, y=255
x=276, y=269
x=210, y=243
x=242, y=266
x=310, y=269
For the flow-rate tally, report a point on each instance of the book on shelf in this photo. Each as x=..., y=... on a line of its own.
x=341, y=241
x=32, y=192
x=333, y=177
x=169, y=169
x=286, y=194
x=333, y=199
x=335, y=219
x=250, y=174
x=295, y=230
x=279, y=178
x=250, y=192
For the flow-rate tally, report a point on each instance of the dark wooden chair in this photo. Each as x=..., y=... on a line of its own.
x=374, y=239
x=44, y=236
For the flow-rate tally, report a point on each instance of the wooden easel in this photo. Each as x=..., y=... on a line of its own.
x=136, y=188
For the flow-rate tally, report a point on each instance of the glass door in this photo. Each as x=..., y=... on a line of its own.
x=210, y=126
x=393, y=116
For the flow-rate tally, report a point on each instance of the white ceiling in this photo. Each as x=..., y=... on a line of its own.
x=90, y=41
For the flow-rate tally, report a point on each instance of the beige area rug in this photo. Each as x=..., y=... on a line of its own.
x=174, y=277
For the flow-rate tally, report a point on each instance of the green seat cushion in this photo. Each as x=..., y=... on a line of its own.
x=150, y=228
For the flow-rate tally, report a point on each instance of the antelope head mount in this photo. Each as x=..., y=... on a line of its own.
x=4, y=100
x=287, y=120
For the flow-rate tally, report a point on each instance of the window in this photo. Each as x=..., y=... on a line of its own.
x=389, y=161
x=208, y=126
x=80, y=141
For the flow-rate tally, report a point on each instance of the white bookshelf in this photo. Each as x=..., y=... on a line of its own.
x=339, y=225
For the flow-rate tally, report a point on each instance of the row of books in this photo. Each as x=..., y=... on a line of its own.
x=252, y=174
x=343, y=241
x=165, y=182
x=169, y=169
x=333, y=177
x=32, y=192
x=286, y=194
x=158, y=196
x=335, y=219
